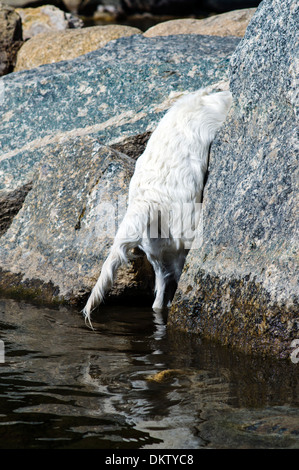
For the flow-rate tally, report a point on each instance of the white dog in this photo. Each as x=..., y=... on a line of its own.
x=164, y=195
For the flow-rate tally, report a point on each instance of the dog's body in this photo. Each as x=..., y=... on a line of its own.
x=164, y=194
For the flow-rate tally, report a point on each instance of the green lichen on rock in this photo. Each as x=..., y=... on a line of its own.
x=35, y=290
x=235, y=312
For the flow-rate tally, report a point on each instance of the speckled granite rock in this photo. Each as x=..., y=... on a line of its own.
x=115, y=93
x=233, y=23
x=57, y=242
x=46, y=48
x=10, y=38
x=241, y=285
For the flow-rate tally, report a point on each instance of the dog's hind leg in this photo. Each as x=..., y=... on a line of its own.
x=160, y=286
x=165, y=284
x=167, y=273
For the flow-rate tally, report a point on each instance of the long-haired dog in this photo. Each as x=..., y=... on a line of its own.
x=164, y=195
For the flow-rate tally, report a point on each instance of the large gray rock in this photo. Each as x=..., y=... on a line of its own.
x=241, y=285
x=52, y=116
x=115, y=93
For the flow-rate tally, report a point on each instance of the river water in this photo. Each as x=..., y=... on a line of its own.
x=133, y=383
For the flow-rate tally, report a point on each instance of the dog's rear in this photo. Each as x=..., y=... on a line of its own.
x=164, y=194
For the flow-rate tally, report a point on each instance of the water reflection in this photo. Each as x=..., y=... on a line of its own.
x=133, y=383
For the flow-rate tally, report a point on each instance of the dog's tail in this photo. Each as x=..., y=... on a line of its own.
x=127, y=238
x=116, y=258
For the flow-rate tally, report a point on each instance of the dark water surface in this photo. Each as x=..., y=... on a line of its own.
x=133, y=383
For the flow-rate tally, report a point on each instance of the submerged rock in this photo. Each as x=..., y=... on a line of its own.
x=240, y=285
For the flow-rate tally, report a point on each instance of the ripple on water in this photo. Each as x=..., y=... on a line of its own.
x=133, y=383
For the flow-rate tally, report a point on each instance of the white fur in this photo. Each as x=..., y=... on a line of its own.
x=168, y=175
